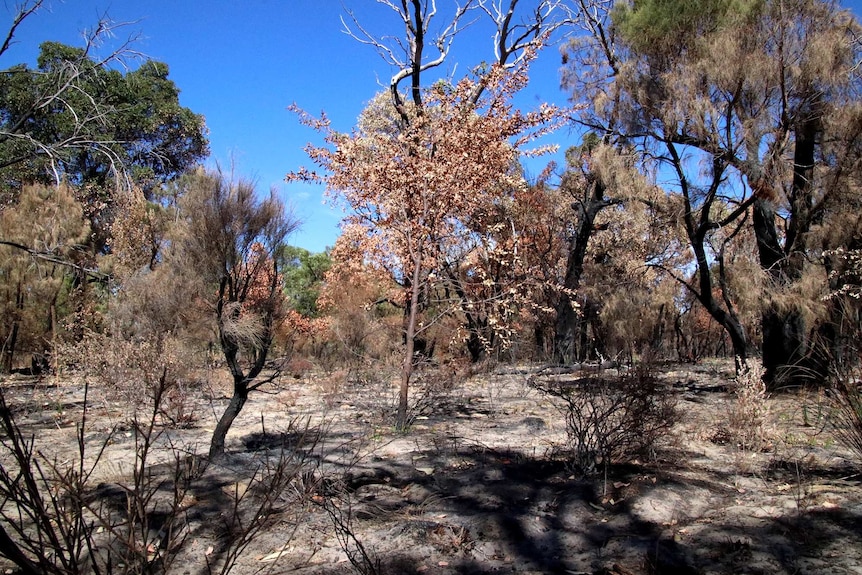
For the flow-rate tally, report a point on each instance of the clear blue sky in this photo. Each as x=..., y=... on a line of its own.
x=241, y=63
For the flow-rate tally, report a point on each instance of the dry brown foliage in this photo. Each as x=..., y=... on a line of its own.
x=748, y=411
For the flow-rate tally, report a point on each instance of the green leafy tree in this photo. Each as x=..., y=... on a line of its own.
x=94, y=119
x=76, y=118
x=304, y=273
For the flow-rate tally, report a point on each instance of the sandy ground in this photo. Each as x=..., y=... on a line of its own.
x=479, y=484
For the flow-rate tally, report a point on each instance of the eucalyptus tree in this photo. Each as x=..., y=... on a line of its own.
x=97, y=124
x=88, y=115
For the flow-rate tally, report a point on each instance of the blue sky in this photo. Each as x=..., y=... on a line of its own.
x=240, y=64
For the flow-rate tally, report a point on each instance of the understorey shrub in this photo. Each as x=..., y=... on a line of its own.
x=610, y=418
x=130, y=372
x=56, y=518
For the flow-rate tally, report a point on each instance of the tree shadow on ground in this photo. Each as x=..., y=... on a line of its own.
x=530, y=514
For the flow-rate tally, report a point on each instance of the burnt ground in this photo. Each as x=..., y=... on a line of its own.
x=481, y=483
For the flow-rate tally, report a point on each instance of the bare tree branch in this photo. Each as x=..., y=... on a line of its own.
x=53, y=258
x=416, y=17
x=513, y=38
x=68, y=81
x=24, y=11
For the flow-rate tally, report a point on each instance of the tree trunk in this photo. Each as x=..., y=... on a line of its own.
x=404, y=388
x=241, y=381
x=785, y=346
x=240, y=396
x=566, y=332
x=409, y=347
x=784, y=338
x=8, y=359
x=575, y=343
x=567, y=328
x=7, y=362
x=539, y=341
x=731, y=325
x=657, y=341
x=475, y=347
x=726, y=318
x=583, y=350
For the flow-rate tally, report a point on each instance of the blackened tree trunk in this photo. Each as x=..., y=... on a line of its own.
x=243, y=382
x=784, y=347
x=568, y=327
x=237, y=401
x=719, y=309
x=786, y=355
x=475, y=347
x=242, y=385
x=7, y=361
x=711, y=290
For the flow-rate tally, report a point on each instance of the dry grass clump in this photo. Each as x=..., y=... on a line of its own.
x=748, y=410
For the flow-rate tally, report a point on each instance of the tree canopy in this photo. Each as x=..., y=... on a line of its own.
x=78, y=119
x=750, y=110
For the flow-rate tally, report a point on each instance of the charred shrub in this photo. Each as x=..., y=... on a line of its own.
x=609, y=418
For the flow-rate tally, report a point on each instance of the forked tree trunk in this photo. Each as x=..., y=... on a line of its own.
x=567, y=328
x=733, y=328
x=240, y=396
x=719, y=309
x=242, y=382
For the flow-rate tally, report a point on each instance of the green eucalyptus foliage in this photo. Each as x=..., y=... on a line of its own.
x=303, y=278
x=77, y=119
